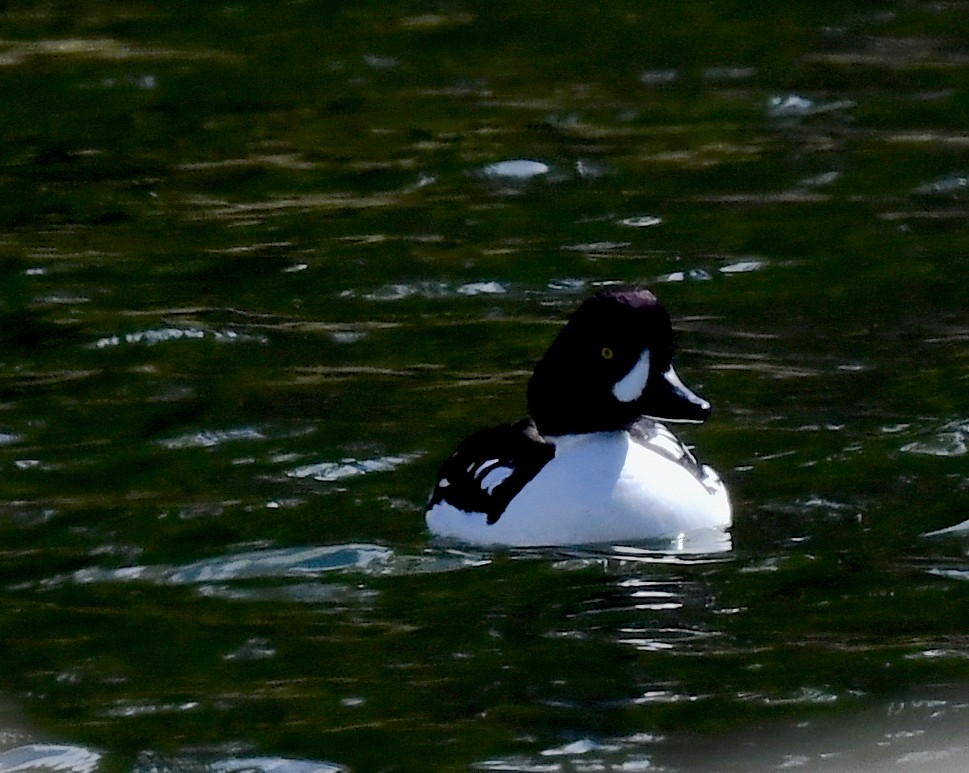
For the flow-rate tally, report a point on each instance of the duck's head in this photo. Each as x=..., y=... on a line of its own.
x=610, y=365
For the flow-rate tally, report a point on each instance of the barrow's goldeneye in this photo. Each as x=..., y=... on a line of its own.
x=593, y=463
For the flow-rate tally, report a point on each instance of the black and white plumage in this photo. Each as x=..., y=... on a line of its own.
x=593, y=463
x=490, y=467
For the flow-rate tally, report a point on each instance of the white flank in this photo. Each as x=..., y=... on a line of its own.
x=630, y=387
x=601, y=487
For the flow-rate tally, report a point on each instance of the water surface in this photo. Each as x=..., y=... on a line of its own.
x=263, y=265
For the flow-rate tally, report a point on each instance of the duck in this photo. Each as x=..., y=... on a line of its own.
x=593, y=462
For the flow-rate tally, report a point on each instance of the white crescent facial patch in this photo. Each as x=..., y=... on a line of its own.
x=630, y=387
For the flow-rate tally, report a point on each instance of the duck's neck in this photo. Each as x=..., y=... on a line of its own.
x=570, y=442
x=557, y=413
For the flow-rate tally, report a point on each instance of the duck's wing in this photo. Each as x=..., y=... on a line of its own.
x=657, y=438
x=490, y=467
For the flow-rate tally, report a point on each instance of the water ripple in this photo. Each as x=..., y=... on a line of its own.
x=399, y=291
x=285, y=562
x=950, y=440
x=126, y=709
x=641, y=221
x=794, y=106
x=329, y=472
x=282, y=563
x=36, y=756
x=165, y=335
x=518, y=170
x=211, y=438
x=215, y=575
x=274, y=765
x=150, y=762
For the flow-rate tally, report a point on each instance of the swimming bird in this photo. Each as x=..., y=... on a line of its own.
x=592, y=463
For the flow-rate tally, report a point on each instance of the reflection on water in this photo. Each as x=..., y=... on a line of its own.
x=76, y=759
x=151, y=337
x=519, y=169
x=921, y=732
x=397, y=292
x=314, y=563
x=924, y=731
x=328, y=472
x=273, y=765
x=281, y=564
x=949, y=441
x=72, y=759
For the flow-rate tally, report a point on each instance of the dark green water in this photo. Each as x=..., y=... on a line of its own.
x=255, y=283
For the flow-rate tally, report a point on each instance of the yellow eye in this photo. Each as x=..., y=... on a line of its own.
x=606, y=353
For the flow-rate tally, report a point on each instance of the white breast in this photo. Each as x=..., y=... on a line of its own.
x=600, y=487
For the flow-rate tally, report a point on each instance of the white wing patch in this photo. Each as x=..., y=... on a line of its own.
x=490, y=474
x=630, y=387
x=494, y=477
x=482, y=468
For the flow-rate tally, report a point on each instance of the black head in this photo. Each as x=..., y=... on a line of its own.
x=611, y=364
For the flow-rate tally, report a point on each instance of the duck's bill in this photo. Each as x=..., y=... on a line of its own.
x=670, y=399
